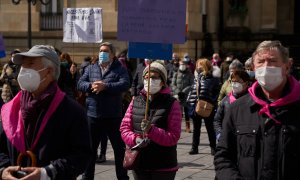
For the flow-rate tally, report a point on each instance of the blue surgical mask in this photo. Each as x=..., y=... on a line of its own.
x=251, y=74
x=103, y=57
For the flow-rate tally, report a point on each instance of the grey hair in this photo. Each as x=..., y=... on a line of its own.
x=273, y=45
x=47, y=63
x=236, y=64
x=249, y=62
x=110, y=45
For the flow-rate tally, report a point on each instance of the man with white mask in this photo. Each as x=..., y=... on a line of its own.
x=44, y=134
x=261, y=134
x=105, y=82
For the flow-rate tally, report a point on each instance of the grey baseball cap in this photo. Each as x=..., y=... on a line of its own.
x=38, y=51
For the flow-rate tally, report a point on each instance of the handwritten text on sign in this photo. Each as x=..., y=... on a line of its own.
x=82, y=25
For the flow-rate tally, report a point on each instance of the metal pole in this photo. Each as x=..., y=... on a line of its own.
x=29, y=24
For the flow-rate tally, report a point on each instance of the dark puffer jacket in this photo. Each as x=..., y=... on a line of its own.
x=254, y=147
x=107, y=103
x=221, y=111
x=209, y=88
x=219, y=116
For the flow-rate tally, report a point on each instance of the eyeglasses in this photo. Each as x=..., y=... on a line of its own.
x=151, y=77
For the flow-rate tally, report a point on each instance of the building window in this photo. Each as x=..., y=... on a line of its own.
x=51, y=16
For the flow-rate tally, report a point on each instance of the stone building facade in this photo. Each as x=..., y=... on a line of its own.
x=212, y=25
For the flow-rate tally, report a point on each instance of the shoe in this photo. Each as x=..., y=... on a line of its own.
x=193, y=151
x=212, y=151
x=101, y=158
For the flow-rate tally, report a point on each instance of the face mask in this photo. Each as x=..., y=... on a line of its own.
x=182, y=67
x=103, y=57
x=237, y=87
x=29, y=79
x=251, y=74
x=199, y=70
x=228, y=59
x=269, y=77
x=154, y=85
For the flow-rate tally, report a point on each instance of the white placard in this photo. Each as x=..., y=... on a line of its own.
x=82, y=25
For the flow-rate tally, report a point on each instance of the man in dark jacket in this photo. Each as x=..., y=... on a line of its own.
x=105, y=82
x=260, y=136
x=41, y=123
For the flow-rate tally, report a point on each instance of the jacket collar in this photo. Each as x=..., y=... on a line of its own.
x=13, y=122
x=289, y=98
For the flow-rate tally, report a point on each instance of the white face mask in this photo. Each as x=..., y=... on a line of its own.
x=182, y=67
x=237, y=87
x=29, y=79
x=154, y=85
x=269, y=77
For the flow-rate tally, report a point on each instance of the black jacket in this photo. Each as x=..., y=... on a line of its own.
x=209, y=88
x=254, y=147
x=65, y=142
x=137, y=81
x=221, y=111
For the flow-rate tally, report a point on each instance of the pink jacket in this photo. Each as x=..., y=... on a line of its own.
x=160, y=136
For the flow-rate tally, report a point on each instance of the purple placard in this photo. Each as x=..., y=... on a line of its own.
x=155, y=21
x=2, y=48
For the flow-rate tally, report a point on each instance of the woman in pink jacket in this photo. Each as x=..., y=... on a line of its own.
x=159, y=135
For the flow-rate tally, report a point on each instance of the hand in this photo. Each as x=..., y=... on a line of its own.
x=34, y=173
x=141, y=143
x=145, y=126
x=7, y=172
x=98, y=86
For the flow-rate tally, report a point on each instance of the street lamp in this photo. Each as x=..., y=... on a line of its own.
x=33, y=2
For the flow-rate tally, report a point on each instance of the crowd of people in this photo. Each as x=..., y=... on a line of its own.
x=56, y=115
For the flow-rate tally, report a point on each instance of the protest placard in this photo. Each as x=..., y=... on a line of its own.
x=82, y=25
x=150, y=50
x=154, y=21
x=2, y=48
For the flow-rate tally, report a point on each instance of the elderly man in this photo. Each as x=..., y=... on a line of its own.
x=105, y=82
x=41, y=127
x=261, y=134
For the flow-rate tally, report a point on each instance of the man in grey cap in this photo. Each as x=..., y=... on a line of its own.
x=42, y=124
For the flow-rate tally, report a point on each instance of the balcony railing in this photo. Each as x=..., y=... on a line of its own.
x=51, y=21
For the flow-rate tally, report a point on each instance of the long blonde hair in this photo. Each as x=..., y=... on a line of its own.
x=206, y=65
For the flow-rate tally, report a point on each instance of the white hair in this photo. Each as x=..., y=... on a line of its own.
x=47, y=63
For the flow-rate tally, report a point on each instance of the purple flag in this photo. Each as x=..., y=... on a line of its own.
x=2, y=49
x=154, y=21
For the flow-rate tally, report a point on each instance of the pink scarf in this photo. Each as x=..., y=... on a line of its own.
x=13, y=123
x=293, y=96
x=231, y=98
